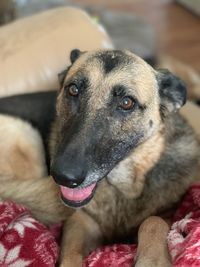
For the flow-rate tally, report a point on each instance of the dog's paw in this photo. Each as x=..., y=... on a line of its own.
x=158, y=262
x=75, y=260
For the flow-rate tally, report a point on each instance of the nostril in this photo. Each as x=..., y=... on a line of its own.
x=67, y=177
x=73, y=179
x=72, y=184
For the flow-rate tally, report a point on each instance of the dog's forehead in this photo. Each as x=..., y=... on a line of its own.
x=105, y=70
x=126, y=69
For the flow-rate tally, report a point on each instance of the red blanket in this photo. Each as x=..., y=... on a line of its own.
x=184, y=237
x=26, y=242
x=23, y=240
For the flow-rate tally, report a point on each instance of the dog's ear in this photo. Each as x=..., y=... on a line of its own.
x=172, y=91
x=74, y=55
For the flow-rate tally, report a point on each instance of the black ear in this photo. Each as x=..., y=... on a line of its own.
x=74, y=55
x=62, y=75
x=172, y=91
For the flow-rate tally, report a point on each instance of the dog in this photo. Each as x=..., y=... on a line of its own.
x=120, y=152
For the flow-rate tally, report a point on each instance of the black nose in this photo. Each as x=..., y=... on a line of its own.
x=66, y=174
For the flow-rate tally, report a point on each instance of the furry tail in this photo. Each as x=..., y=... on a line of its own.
x=41, y=196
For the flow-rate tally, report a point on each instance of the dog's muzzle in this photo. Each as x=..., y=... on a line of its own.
x=69, y=179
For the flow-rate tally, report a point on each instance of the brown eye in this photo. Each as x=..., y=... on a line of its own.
x=127, y=103
x=73, y=90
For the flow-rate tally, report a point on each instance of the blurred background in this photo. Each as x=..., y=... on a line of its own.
x=144, y=26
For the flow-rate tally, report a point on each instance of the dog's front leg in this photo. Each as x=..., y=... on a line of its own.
x=152, y=244
x=81, y=234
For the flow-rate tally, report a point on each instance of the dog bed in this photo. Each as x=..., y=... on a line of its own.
x=26, y=242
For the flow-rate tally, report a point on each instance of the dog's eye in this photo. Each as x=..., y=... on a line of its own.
x=127, y=103
x=73, y=90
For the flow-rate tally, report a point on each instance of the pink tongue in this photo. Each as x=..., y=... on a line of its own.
x=77, y=194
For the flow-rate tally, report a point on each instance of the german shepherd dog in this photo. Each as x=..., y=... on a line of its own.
x=120, y=152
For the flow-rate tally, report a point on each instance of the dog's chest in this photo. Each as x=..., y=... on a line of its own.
x=115, y=214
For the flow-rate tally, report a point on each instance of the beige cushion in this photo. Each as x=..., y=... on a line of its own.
x=34, y=50
x=192, y=113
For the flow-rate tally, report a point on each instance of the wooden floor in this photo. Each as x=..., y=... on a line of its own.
x=178, y=30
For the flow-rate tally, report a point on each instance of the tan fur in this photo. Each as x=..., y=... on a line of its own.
x=82, y=225
x=22, y=153
x=40, y=195
x=128, y=177
x=152, y=249
x=99, y=80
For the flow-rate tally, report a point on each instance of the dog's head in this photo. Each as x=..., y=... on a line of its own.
x=109, y=103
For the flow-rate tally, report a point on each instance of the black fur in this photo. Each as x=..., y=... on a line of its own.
x=119, y=90
x=172, y=90
x=111, y=59
x=74, y=55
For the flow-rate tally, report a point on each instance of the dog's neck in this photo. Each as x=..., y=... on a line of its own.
x=129, y=175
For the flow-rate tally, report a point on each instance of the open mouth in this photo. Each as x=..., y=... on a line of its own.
x=77, y=197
